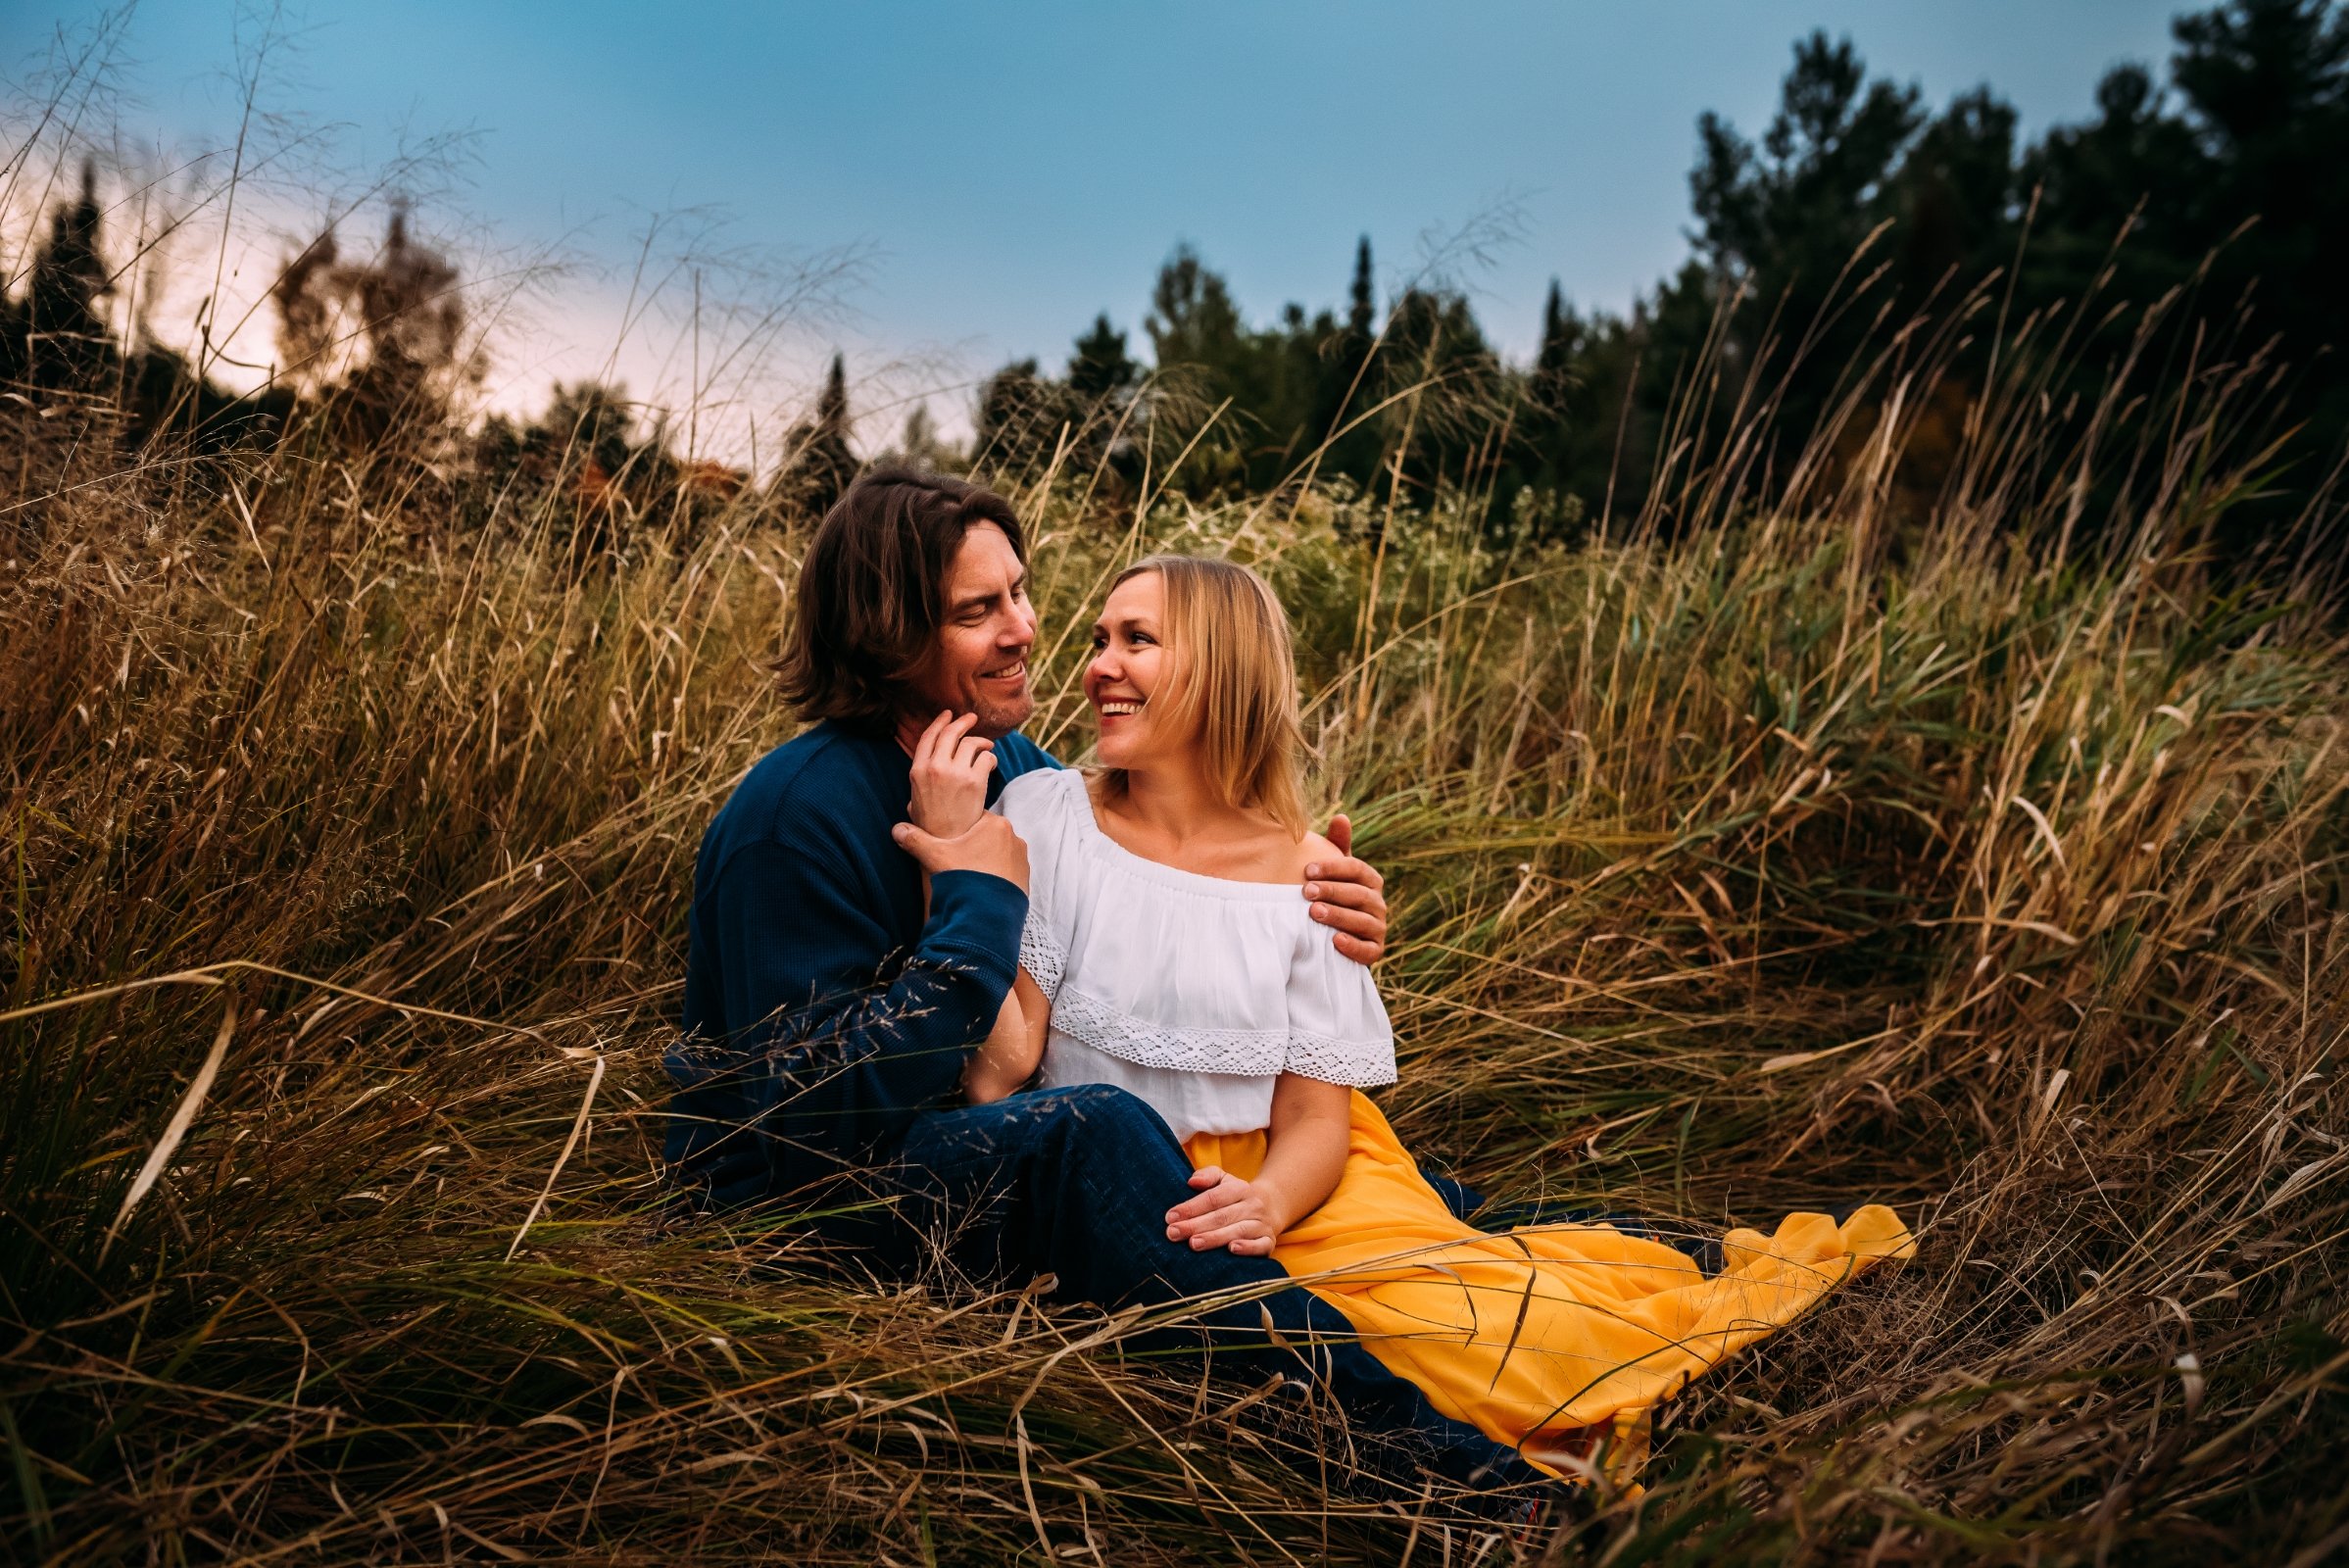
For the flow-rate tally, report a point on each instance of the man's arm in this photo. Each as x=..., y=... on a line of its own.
x=835, y=1062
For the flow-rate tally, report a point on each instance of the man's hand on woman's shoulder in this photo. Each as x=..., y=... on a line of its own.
x=1348, y=895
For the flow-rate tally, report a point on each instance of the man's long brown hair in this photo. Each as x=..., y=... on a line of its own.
x=865, y=612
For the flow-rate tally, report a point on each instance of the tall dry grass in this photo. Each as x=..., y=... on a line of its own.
x=1984, y=857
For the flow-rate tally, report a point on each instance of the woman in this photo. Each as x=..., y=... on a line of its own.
x=1168, y=951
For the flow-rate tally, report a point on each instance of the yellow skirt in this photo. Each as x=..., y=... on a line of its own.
x=1548, y=1337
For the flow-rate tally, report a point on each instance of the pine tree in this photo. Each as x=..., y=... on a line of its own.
x=1019, y=420
x=1562, y=334
x=819, y=464
x=920, y=444
x=1575, y=397
x=1193, y=321
x=1343, y=389
x=832, y=404
x=1100, y=366
x=68, y=343
x=2266, y=82
x=1361, y=298
x=831, y=464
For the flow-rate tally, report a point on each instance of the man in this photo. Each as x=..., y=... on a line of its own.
x=832, y=998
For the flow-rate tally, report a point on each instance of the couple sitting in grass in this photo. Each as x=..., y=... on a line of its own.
x=1115, y=1025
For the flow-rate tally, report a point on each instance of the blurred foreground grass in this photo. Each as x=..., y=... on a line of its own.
x=1817, y=852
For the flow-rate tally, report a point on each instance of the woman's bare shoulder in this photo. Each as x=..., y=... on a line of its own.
x=1312, y=849
x=1267, y=853
x=1293, y=856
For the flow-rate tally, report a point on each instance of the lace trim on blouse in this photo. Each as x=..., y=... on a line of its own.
x=1330, y=1059
x=1042, y=955
x=1246, y=1052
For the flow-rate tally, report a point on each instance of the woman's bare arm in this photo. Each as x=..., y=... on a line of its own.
x=1307, y=1146
x=1305, y=1154
x=1014, y=1049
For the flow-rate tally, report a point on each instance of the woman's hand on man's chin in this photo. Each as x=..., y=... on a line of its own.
x=1349, y=897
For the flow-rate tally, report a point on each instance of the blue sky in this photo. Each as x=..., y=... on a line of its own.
x=1009, y=169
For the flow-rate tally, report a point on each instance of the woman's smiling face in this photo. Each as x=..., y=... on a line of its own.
x=1129, y=663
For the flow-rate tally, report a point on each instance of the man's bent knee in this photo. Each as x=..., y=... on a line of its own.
x=1105, y=1114
x=1116, y=1144
x=1120, y=1130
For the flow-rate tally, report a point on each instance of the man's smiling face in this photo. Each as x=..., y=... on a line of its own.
x=979, y=663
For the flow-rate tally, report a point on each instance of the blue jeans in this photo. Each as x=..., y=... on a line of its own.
x=1076, y=1183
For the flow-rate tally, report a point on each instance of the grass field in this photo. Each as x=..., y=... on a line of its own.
x=1982, y=855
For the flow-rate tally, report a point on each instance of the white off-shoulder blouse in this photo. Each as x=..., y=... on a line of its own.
x=1193, y=993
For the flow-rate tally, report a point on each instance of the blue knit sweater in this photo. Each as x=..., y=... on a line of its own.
x=822, y=1012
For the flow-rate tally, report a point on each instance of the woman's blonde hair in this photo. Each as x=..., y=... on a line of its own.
x=1233, y=686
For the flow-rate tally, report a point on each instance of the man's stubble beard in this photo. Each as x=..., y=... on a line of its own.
x=999, y=719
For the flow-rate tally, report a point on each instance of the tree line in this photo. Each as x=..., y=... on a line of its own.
x=2211, y=200
x=2220, y=195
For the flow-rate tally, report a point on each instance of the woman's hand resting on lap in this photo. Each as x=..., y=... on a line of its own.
x=1244, y=1216
x=1305, y=1154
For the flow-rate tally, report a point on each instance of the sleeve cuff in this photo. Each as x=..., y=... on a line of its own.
x=976, y=917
